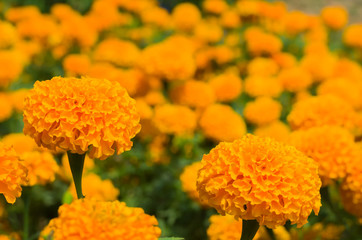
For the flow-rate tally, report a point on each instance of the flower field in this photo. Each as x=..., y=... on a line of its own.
x=211, y=119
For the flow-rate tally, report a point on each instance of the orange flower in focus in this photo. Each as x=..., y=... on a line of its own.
x=227, y=86
x=321, y=110
x=332, y=148
x=83, y=114
x=13, y=173
x=194, y=94
x=174, y=119
x=262, y=179
x=5, y=106
x=262, y=110
x=221, y=123
x=295, y=79
x=76, y=64
x=109, y=51
x=258, y=86
x=90, y=219
x=277, y=130
x=188, y=180
x=96, y=188
x=186, y=23
x=335, y=17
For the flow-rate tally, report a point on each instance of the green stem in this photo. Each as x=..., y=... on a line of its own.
x=250, y=227
x=76, y=162
x=26, y=197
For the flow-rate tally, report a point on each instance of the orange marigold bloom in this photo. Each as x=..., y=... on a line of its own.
x=215, y=6
x=208, y=32
x=319, y=72
x=296, y=22
x=8, y=35
x=174, y=119
x=193, y=93
x=13, y=173
x=262, y=110
x=352, y=36
x=96, y=188
x=153, y=59
x=347, y=90
x=20, y=142
x=16, y=14
x=188, y=180
x=17, y=98
x=259, y=86
x=41, y=166
x=156, y=16
x=321, y=110
x=351, y=190
x=76, y=64
x=347, y=68
x=225, y=228
x=90, y=219
x=83, y=114
x=262, y=67
x=221, y=123
x=108, y=50
x=332, y=148
x=5, y=106
x=259, y=42
x=230, y=19
x=277, y=130
x=186, y=23
x=13, y=62
x=251, y=178
x=285, y=60
x=335, y=17
x=295, y=79
x=227, y=86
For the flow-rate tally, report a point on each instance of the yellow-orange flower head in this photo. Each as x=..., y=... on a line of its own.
x=186, y=9
x=227, y=86
x=321, y=110
x=13, y=173
x=89, y=219
x=277, y=130
x=262, y=179
x=224, y=228
x=332, y=147
x=83, y=114
x=335, y=17
x=221, y=123
x=262, y=111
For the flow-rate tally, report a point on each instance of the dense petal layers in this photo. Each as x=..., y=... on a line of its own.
x=262, y=179
x=83, y=114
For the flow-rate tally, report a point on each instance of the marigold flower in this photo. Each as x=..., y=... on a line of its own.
x=13, y=173
x=295, y=79
x=41, y=28
x=319, y=72
x=152, y=60
x=285, y=60
x=296, y=22
x=351, y=191
x=96, y=188
x=260, y=66
x=321, y=110
x=13, y=62
x=155, y=98
x=83, y=114
x=227, y=86
x=259, y=42
x=223, y=54
x=186, y=23
x=230, y=19
x=345, y=89
x=332, y=148
x=193, y=93
x=174, y=119
x=17, y=98
x=221, y=123
x=16, y=14
x=215, y=6
x=20, y=142
x=251, y=178
x=41, y=166
x=156, y=16
x=76, y=64
x=5, y=106
x=89, y=219
x=335, y=17
x=346, y=68
x=8, y=35
x=352, y=36
x=258, y=86
x=188, y=180
x=208, y=32
x=108, y=50
x=262, y=110
x=277, y=130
